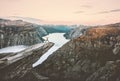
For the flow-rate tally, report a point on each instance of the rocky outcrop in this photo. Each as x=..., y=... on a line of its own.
x=89, y=57
x=75, y=32
x=81, y=30
x=15, y=65
x=19, y=32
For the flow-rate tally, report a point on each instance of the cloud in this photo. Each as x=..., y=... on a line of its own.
x=110, y=11
x=77, y=12
x=86, y=6
x=116, y=10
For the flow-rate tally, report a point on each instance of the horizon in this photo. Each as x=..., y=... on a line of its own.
x=51, y=23
x=69, y=12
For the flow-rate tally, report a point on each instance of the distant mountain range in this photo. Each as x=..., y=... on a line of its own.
x=35, y=20
x=28, y=19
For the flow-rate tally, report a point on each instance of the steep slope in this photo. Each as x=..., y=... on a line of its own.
x=75, y=32
x=94, y=56
x=50, y=28
x=20, y=33
x=15, y=65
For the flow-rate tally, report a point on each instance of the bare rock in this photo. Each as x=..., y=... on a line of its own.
x=19, y=32
x=86, y=58
x=19, y=64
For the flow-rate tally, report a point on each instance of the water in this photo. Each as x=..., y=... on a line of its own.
x=58, y=39
x=13, y=49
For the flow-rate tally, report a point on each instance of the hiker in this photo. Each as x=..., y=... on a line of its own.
x=46, y=39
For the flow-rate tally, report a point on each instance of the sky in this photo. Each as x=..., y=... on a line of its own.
x=88, y=12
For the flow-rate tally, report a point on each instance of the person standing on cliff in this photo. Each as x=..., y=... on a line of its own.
x=46, y=39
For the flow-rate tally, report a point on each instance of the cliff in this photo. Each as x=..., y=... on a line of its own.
x=80, y=30
x=15, y=65
x=19, y=32
x=94, y=56
x=76, y=31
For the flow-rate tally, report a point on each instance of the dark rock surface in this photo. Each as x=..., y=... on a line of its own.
x=76, y=31
x=94, y=56
x=18, y=64
x=19, y=32
x=87, y=58
x=81, y=30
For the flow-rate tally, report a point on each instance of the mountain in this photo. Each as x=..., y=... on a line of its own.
x=94, y=56
x=75, y=32
x=16, y=65
x=79, y=30
x=19, y=32
x=27, y=19
x=50, y=28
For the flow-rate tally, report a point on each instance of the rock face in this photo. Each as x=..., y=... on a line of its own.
x=89, y=57
x=75, y=32
x=15, y=66
x=81, y=30
x=19, y=33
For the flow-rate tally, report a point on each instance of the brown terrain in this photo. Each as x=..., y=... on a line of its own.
x=94, y=56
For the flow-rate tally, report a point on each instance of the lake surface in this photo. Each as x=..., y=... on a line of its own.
x=13, y=49
x=58, y=39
